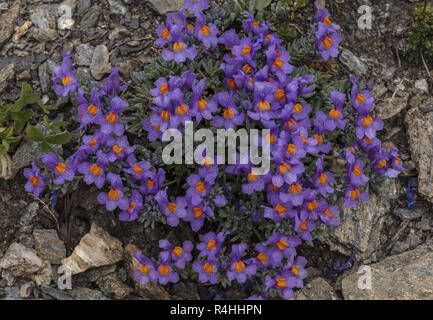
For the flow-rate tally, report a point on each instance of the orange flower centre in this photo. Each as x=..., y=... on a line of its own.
x=357, y=171
x=163, y=89
x=246, y=50
x=144, y=269
x=117, y=149
x=95, y=170
x=290, y=123
x=381, y=164
x=298, y=108
x=165, y=115
x=165, y=33
x=327, y=43
x=182, y=109
x=279, y=94
x=280, y=209
x=355, y=194
x=304, y=225
x=278, y=63
x=178, y=251
x=323, y=178
x=92, y=109
x=200, y=187
x=327, y=21
x=284, y=167
x=282, y=244
x=367, y=121
x=35, y=181
x=228, y=113
x=291, y=149
x=360, y=98
x=111, y=118
x=178, y=46
x=132, y=205
x=211, y=244
x=66, y=81
x=262, y=257
x=113, y=194
x=295, y=270
x=247, y=68
x=137, y=169
x=172, y=207
x=92, y=142
x=164, y=270
x=328, y=213
x=312, y=205
x=150, y=183
x=202, y=104
x=334, y=114
x=198, y=212
x=232, y=84
x=239, y=266
x=319, y=138
x=208, y=268
x=281, y=283
x=205, y=30
x=295, y=188
x=61, y=167
x=264, y=106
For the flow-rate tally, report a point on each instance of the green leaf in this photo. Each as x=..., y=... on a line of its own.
x=262, y=4
x=59, y=138
x=6, y=144
x=5, y=133
x=46, y=148
x=35, y=133
x=3, y=149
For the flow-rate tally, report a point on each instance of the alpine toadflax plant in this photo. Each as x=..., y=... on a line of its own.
x=257, y=88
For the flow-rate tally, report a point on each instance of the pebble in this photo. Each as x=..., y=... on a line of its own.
x=100, y=64
x=353, y=63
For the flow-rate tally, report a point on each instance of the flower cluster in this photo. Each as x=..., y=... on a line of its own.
x=257, y=89
x=327, y=37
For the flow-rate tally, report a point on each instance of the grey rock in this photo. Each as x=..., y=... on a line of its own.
x=49, y=246
x=391, y=107
x=26, y=289
x=426, y=107
x=31, y=212
x=8, y=20
x=87, y=294
x=100, y=62
x=113, y=287
x=96, y=273
x=84, y=54
x=165, y=6
x=420, y=131
x=12, y=293
x=43, y=19
x=83, y=5
x=317, y=289
x=97, y=248
x=388, y=189
x=422, y=86
x=56, y=294
x=117, y=7
x=66, y=12
x=43, y=35
x=353, y=63
x=409, y=214
x=407, y=276
x=400, y=247
x=22, y=261
x=6, y=74
x=90, y=18
x=360, y=227
x=44, y=72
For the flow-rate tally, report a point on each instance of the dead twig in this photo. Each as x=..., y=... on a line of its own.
x=51, y=213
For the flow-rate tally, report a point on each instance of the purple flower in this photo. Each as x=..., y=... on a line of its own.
x=268, y=257
x=353, y=195
x=255, y=182
x=287, y=172
x=172, y=210
x=278, y=62
x=65, y=80
x=62, y=170
x=111, y=122
x=284, y=244
x=179, y=50
x=93, y=173
x=207, y=271
x=112, y=86
x=367, y=126
x=196, y=4
x=322, y=180
x=328, y=45
x=115, y=197
x=152, y=182
x=88, y=110
x=322, y=18
x=207, y=34
x=202, y=108
x=135, y=206
x=284, y=282
x=386, y=163
x=177, y=254
x=198, y=188
x=119, y=150
x=355, y=174
x=197, y=214
x=304, y=227
x=220, y=201
x=35, y=182
x=251, y=25
x=231, y=117
x=229, y=38
x=137, y=169
x=146, y=271
x=328, y=214
x=240, y=269
x=166, y=274
x=211, y=245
